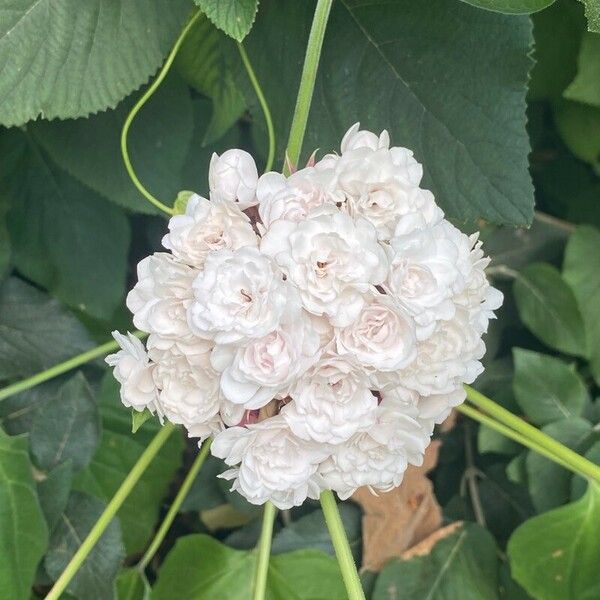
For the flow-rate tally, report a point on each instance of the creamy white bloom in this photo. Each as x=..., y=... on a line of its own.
x=256, y=373
x=234, y=176
x=239, y=296
x=331, y=403
x=356, y=138
x=270, y=463
x=161, y=296
x=382, y=337
x=206, y=226
x=133, y=370
x=332, y=260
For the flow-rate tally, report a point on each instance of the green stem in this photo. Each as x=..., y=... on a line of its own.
x=263, y=103
x=341, y=546
x=568, y=457
x=134, y=111
x=110, y=511
x=259, y=588
x=307, y=81
x=67, y=365
x=175, y=506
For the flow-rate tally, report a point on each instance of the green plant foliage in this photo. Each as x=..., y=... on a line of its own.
x=462, y=565
x=45, y=73
x=546, y=388
x=554, y=556
x=35, y=331
x=53, y=492
x=548, y=307
x=513, y=7
x=23, y=531
x=66, y=238
x=581, y=269
x=200, y=567
x=95, y=578
x=379, y=57
x=592, y=14
x=118, y=452
x=586, y=85
x=132, y=585
x=234, y=17
x=67, y=427
x=139, y=418
x=159, y=143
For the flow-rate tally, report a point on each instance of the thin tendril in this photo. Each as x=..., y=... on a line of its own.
x=147, y=95
x=263, y=103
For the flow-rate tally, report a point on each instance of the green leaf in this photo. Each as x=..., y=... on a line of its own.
x=202, y=62
x=549, y=483
x=512, y=7
x=592, y=13
x=586, y=85
x=200, y=567
x=546, y=388
x=63, y=58
x=36, y=332
x=489, y=440
x=139, y=418
x=579, y=127
x=462, y=111
x=234, y=17
x=54, y=491
x=554, y=556
x=67, y=427
x=462, y=566
x=579, y=483
x=132, y=585
x=23, y=531
x=581, y=269
x=159, y=140
x=548, y=308
x=95, y=578
x=116, y=455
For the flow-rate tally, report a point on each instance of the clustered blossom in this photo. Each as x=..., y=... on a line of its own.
x=317, y=326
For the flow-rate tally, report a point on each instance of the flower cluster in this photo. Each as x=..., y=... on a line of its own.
x=317, y=326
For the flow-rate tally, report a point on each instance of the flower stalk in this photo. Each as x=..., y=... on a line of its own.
x=259, y=585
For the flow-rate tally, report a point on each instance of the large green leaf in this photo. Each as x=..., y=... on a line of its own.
x=23, y=531
x=95, y=578
x=36, y=332
x=234, y=17
x=461, y=566
x=548, y=307
x=592, y=14
x=65, y=58
x=200, y=567
x=67, y=427
x=65, y=237
x=546, y=388
x=513, y=7
x=118, y=451
x=159, y=141
x=581, y=269
x=132, y=585
x=54, y=491
x=446, y=79
x=550, y=484
x=555, y=556
x=586, y=85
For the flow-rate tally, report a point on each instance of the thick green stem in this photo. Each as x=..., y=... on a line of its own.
x=263, y=103
x=259, y=588
x=341, y=546
x=67, y=365
x=576, y=462
x=307, y=80
x=175, y=506
x=110, y=511
x=138, y=105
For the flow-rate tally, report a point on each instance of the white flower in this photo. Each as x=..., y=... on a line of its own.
x=234, y=176
x=331, y=403
x=239, y=296
x=133, y=370
x=382, y=337
x=356, y=138
x=270, y=463
x=206, y=226
x=254, y=374
x=161, y=296
x=293, y=198
x=332, y=259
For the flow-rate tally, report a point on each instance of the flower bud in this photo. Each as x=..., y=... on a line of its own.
x=233, y=176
